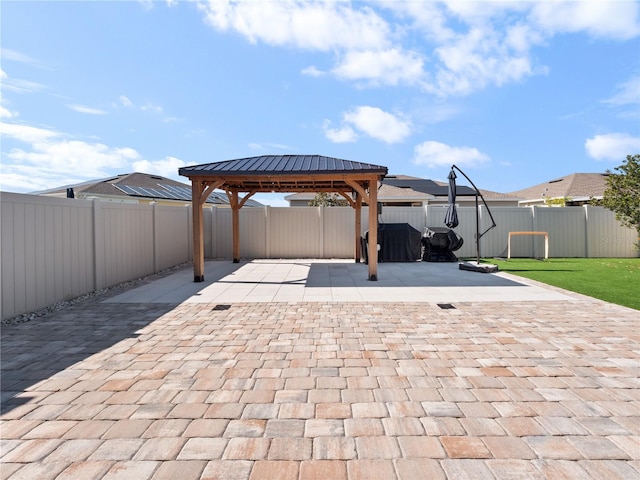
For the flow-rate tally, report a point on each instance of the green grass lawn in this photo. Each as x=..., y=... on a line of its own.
x=615, y=280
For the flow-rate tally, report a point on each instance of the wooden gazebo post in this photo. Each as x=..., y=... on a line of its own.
x=200, y=191
x=373, y=230
x=235, y=224
x=198, y=231
x=358, y=207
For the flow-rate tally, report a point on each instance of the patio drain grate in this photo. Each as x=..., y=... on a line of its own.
x=446, y=306
x=221, y=307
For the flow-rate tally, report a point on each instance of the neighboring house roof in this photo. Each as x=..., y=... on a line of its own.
x=139, y=185
x=427, y=186
x=577, y=186
x=407, y=188
x=441, y=189
x=385, y=193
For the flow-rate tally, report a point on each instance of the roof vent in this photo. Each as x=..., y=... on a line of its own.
x=556, y=181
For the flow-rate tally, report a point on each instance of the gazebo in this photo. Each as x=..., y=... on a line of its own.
x=242, y=178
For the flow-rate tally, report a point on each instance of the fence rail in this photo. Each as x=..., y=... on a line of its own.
x=55, y=249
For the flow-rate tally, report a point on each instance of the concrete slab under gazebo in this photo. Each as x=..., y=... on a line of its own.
x=357, y=182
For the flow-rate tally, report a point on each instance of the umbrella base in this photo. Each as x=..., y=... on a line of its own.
x=478, y=267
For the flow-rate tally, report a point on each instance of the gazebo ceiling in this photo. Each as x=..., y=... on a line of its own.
x=286, y=173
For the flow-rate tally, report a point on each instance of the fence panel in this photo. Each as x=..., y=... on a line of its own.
x=171, y=236
x=253, y=232
x=128, y=241
x=295, y=232
x=606, y=237
x=339, y=236
x=414, y=216
x=566, y=228
x=508, y=219
x=47, y=251
x=223, y=235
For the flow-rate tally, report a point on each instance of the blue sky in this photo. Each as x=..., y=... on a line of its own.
x=515, y=94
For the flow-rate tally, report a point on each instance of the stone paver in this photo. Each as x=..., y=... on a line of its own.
x=342, y=390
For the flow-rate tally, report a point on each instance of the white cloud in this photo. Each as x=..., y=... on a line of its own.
x=372, y=121
x=436, y=154
x=167, y=167
x=446, y=48
x=477, y=59
x=27, y=133
x=378, y=124
x=87, y=110
x=616, y=20
x=313, y=71
x=627, y=93
x=346, y=134
x=22, y=182
x=390, y=67
x=150, y=107
x=21, y=86
x=311, y=25
x=429, y=18
x=51, y=159
x=92, y=159
x=5, y=113
x=612, y=146
x=125, y=101
x=15, y=56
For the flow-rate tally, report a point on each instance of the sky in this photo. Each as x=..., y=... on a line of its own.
x=513, y=93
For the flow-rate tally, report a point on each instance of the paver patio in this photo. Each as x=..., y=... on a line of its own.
x=542, y=384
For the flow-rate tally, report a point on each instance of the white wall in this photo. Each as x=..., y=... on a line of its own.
x=54, y=249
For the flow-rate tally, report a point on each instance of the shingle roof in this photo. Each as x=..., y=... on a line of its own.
x=142, y=185
x=428, y=186
x=283, y=164
x=576, y=185
x=415, y=188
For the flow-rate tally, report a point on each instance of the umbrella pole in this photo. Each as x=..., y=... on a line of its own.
x=477, y=231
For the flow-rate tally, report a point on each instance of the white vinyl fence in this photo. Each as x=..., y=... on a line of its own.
x=56, y=249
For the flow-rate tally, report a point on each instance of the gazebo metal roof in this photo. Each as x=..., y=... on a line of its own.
x=286, y=173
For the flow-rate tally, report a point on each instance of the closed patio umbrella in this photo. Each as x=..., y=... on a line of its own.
x=451, y=217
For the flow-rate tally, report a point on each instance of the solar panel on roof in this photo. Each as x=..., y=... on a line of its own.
x=125, y=188
x=149, y=192
x=171, y=195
